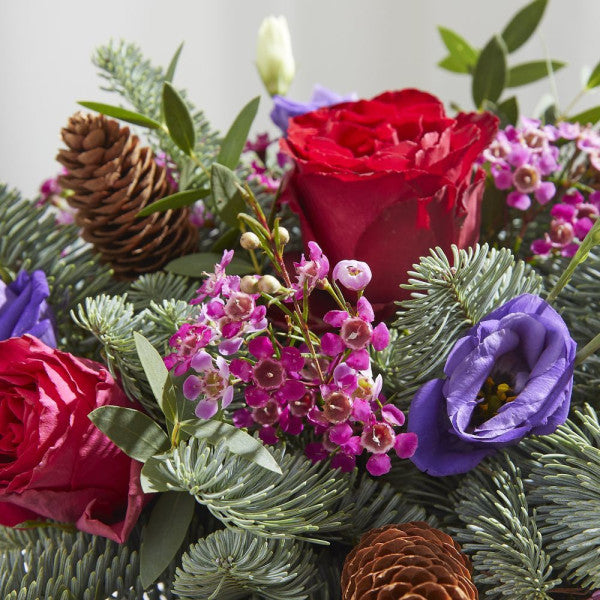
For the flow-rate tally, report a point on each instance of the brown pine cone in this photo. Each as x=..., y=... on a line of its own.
x=113, y=177
x=407, y=561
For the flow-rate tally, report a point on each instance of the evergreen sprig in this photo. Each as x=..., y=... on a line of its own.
x=500, y=532
x=447, y=299
x=30, y=239
x=127, y=73
x=57, y=565
x=566, y=491
x=302, y=503
x=233, y=563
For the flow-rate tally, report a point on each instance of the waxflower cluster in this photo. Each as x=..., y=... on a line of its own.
x=521, y=160
x=293, y=382
x=572, y=218
x=265, y=170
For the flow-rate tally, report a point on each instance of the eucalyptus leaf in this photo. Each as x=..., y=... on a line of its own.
x=155, y=370
x=508, y=111
x=164, y=533
x=174, y=201
x=178, y=119
x=460, y=50
x=197, y=265
x=490, y=72
x=173, y=64
x=226, y=195
x=237, y=441
x=594, y=78
x=235, y=138
x=116, y=112
x=453, y=64
x=591, y=115
x=131, y=430
x=523, y=24
x=531, y=71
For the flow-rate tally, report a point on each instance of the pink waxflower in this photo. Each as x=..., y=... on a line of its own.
x=354, y=275
x=217, y=282
x=310, y=272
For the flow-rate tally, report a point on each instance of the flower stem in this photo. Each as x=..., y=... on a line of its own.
x=591, y=239
x=589, y=349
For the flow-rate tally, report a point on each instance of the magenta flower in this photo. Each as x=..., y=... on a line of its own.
x=310, y=272
x=354, y=275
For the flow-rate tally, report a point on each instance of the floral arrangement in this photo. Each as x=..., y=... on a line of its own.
x=357, y=360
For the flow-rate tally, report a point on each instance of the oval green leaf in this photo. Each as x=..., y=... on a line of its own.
x=523, y=24
x=178, y=200
x=594, y=78
x=237, y=441
x=179, y=120
x=235, y=139
x=116, y=112
x=165, y=532
x=490, y=72
x=508, y=111
x=226, y=194
x=460, y=50
x=156, y=373
x=133, y=431
x=531, y=71
x=173, y=64
x=591, y=115
x=453, y=64
x=196, y=265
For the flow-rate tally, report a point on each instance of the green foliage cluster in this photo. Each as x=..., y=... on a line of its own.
x=491, y=74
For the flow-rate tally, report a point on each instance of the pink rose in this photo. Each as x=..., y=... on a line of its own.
x=54, y=463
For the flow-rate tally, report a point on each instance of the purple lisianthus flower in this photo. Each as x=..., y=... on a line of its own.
x=285, y=108
x=24, y=309
x=509, y=377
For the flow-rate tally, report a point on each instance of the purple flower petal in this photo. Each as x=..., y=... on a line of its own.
x=359, y=359
x=340, y=434
x=406, y=445
x=260, y=347
x=335, y=318
x=331, y=344
x=392, y=415
x=205, y=409
x=381, y=337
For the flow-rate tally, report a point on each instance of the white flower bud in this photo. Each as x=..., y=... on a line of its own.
x=284, y=235
x=248, y=284
x=249, y=241
x=268, y=284
x=274, y=58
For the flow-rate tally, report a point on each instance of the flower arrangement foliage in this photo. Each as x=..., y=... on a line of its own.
x=337, y=362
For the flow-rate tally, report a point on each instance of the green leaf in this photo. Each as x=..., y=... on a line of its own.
x=594, y=78
x=490, y=72
x=122, y=114
x=226, y=195
x=233, y=143
x=174, y=201
x=133, y=431
x=531, y=71
x=173, y=64
x=523, y=24
x=156, y=372
x=509, y=110
x=460, y=50
x=165, y=532
x=451, y=63
x=195, y=265
x=591, y=115
x=178, y=118
x=237, y=441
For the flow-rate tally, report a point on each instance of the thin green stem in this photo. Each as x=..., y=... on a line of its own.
x=590, y=348
x=591, y=239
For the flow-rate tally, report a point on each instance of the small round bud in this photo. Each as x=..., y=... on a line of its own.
x=268, y=284
x=248, y=284
x=249, y=241
x=284, y=236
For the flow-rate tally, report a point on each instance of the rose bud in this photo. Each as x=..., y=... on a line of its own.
x=274, y=58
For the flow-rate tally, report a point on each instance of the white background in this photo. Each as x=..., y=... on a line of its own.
x=366, y=46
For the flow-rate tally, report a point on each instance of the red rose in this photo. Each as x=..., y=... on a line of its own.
x=384, y=180
x=54, y=463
